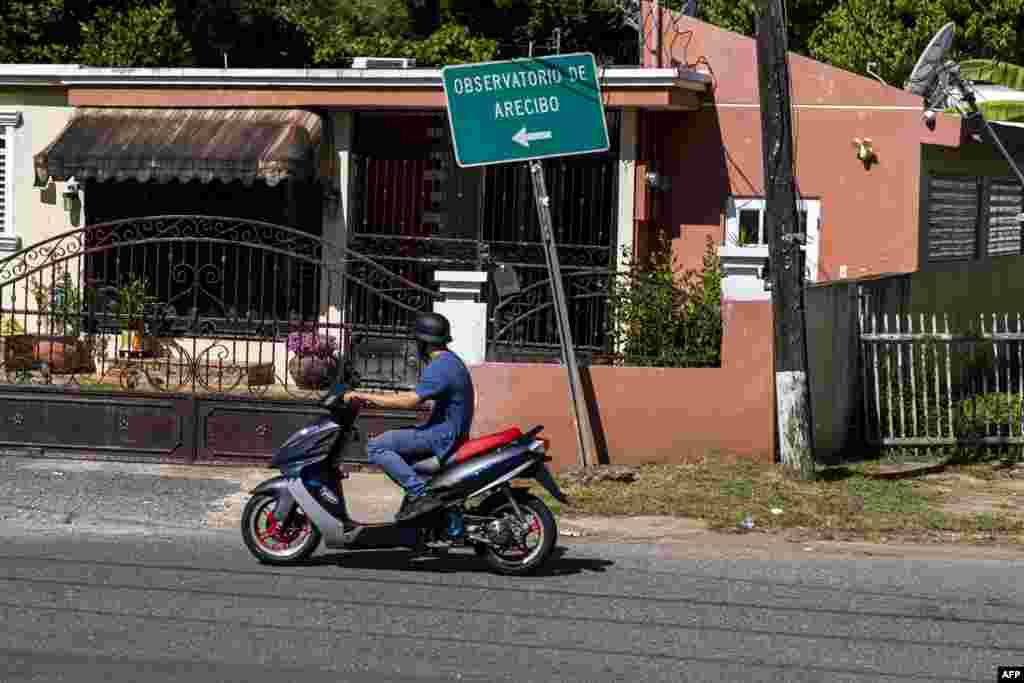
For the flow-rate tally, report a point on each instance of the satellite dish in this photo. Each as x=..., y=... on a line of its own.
x=939, y=82
x=928, y=71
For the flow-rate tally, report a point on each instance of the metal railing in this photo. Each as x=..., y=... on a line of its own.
x=925, y=385
x=202, y=304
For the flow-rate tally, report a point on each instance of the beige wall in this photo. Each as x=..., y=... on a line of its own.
x=38, y=212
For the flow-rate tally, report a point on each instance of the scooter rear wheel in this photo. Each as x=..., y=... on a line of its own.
x=536, y=544
x=271, y=543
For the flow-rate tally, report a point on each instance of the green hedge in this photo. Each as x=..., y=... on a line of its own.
x=666, y=316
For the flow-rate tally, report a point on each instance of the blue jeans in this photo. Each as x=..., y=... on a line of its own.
x=396, y=450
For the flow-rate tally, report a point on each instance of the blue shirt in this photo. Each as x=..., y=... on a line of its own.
x=446, y=381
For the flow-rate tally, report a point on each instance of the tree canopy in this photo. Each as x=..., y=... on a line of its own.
x=300, y=33
x=893, y=33
x=329, y=33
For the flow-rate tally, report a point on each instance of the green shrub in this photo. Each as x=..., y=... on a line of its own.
x=976, y=415
x=662, y=316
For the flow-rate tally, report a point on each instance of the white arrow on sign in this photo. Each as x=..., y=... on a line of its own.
x=523, y=138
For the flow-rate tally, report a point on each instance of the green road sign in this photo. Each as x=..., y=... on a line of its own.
x=525, y=109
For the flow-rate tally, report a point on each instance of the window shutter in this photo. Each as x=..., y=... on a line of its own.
x=1003, y=225
x=953, y=204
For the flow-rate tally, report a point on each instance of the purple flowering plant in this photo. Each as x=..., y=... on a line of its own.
x=312, y=344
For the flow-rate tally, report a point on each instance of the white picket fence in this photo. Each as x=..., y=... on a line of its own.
x=927, y=386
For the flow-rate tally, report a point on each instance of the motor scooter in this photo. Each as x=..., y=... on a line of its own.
x=513, y=530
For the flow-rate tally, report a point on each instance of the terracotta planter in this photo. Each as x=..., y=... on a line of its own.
x=19, y=351
x=149, y=346
x=311, y=372
x=62, y=355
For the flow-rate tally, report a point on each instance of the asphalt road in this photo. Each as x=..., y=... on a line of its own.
x=104, y=598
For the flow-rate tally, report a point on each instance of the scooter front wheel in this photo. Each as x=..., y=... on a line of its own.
x=270, y=541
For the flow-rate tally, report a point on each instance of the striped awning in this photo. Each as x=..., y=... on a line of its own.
x=183, y=144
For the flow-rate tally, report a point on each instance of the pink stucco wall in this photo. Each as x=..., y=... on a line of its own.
x=650, y=415
x=869, y=219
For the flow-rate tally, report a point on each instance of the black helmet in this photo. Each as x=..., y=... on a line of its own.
x=432, y=328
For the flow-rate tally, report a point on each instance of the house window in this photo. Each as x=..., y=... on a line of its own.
x=745, y=228
x=745, y=225
x=8, y=122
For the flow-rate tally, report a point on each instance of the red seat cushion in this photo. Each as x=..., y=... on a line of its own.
x=475, y=447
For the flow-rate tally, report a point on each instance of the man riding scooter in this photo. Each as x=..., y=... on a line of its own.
x=447, y=382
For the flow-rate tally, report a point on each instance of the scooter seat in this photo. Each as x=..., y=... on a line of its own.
x=475, y=447
x=468, y=450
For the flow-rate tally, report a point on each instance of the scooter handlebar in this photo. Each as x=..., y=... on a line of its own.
x=336, y=402
x=331, y=401
x=336, y=397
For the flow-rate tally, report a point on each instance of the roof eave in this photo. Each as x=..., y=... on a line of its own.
x=72, y=75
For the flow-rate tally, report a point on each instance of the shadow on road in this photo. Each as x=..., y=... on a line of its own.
x=404, y=560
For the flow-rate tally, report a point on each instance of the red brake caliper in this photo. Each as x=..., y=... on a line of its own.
x=275, y=536
x=534, y=526
x=271, y=530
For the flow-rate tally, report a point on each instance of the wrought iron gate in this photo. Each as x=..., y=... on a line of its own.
x=416, y=211
x=190, y=337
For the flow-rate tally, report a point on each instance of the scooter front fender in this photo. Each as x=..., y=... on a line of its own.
x=278, y=488
x=332, y=528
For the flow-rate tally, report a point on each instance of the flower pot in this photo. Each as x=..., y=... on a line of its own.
x=64, y=355
x=312, y=372
x=144, y=344
x=19, y=351
x=134, y=340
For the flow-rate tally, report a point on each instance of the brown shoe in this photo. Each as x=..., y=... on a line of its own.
x=417, y=506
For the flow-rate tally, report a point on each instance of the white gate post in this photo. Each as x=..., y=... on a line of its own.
x=465, y=310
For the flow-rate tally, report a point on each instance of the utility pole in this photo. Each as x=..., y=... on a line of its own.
x=657, y=32
x=782, y=225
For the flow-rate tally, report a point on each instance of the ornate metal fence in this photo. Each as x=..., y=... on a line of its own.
x=584, y=202
x=415, y=211
x=523, y=325
x=200, y=304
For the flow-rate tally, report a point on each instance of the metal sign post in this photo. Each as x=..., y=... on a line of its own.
x=527, y=110
x=584, y=432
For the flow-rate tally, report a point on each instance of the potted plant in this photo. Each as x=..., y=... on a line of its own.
x=129, y=308
x=60, y=306
x=16, y=353
x=315, y=362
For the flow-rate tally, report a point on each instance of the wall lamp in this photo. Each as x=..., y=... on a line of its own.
x=657, y=181
x=865, y=152
x=70, y=196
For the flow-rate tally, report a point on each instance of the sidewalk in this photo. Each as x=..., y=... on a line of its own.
x=372, y=497
x=66, y=492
